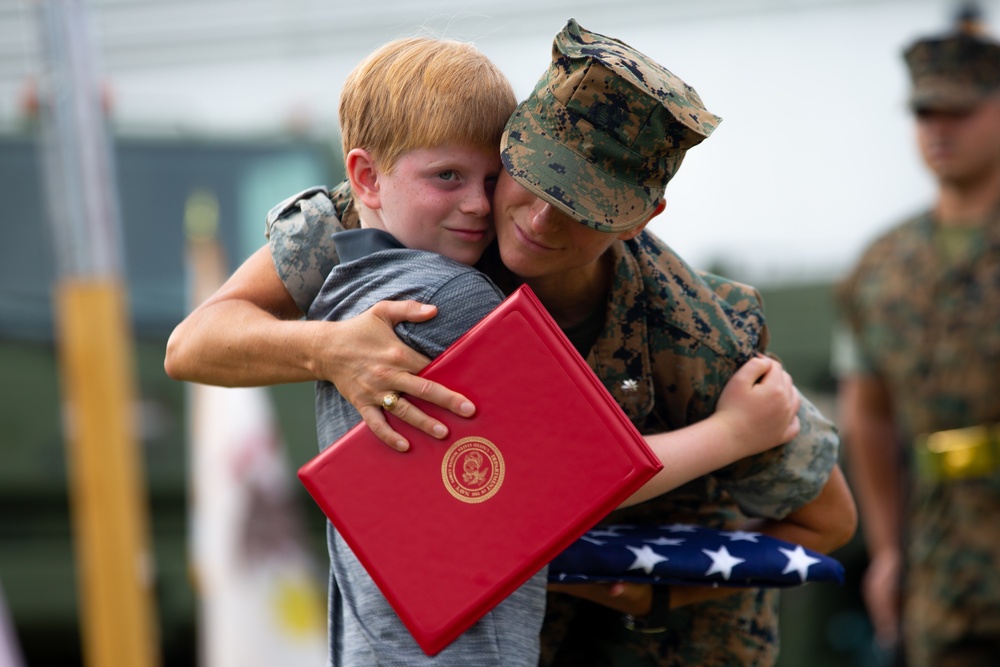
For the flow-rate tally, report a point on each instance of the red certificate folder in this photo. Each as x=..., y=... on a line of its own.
x=450, y=528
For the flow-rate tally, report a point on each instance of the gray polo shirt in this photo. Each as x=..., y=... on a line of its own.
x=364, y=630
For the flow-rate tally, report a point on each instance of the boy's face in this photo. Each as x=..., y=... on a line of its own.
x=440, y=200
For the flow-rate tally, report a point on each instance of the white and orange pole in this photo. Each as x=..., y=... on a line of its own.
x=109, y=505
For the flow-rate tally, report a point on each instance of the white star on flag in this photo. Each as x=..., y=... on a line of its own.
x=666, y=541
x=798, y=561
x=646, y=559
x=637, y=553
x=606, y=532
x=738, y=535
x=681, y=528
x=722, y=561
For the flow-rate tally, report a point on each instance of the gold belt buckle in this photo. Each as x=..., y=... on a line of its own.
x=960, y=453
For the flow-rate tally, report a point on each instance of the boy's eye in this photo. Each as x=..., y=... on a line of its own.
x=449, y=175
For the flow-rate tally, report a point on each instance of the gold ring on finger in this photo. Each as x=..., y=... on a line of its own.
x=389, y=400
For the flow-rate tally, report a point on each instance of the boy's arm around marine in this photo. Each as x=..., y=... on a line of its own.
x=796, y=491
x=694, y=331
x=700, y=328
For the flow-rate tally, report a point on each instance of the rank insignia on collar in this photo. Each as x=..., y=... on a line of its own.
x=630, y=385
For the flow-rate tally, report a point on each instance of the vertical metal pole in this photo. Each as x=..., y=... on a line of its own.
x=107, y=486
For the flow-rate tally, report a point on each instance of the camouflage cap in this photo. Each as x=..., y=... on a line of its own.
x=603, y=131
x=954, y=72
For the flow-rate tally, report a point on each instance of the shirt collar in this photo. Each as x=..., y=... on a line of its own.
x=354, y=244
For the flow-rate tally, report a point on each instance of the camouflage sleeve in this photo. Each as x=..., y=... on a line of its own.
x=300, y=234
x=848, y=355
x=783, y=479
x=777, y=482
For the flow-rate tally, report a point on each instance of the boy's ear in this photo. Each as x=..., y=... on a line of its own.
x=635, y=231
x=363, y=175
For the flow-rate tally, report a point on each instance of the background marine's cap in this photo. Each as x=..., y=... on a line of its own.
x=957, y=71
x=603, y=131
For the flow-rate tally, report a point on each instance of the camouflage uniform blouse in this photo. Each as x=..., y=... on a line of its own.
x=671, y=340
x=928, y=324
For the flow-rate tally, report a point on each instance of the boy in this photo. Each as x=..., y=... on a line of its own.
x=422, y=173
x=421, y=122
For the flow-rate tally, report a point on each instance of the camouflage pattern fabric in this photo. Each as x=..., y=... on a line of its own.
x=672, y=339
x=954, y=72
x=300, y=232
x=738, y=632
x=928, y=324
x=603, y=131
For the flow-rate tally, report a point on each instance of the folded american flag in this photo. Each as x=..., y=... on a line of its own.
x=693, y=555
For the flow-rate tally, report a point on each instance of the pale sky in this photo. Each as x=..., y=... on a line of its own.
x=814, y=156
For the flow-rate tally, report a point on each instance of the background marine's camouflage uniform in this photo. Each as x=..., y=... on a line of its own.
x=927, y=322
x=923, y=307
x=680, y=335
x=954, y=71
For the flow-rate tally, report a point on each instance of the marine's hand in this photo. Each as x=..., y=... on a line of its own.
x=760, y=403
x=880, y=590
x=370, y=361
x=624, y=596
